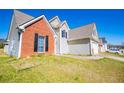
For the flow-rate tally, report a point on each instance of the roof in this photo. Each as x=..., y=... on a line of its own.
x=65, y=22
x=82, y=32
x=54, y=24
x=24, y=20
x=55, y=17
x=103, y=40
x=21, y=17
x=30, y=22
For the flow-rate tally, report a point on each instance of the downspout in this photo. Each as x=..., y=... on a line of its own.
x=60, y=41
x=20, y=46
x=90, y=47
x=54, y=44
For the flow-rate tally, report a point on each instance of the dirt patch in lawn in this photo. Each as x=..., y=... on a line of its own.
x=26, y=63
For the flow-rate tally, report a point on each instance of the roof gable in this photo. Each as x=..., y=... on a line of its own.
x=23, y=26
x=55, y=22
x=64, y=22
x=56, y=17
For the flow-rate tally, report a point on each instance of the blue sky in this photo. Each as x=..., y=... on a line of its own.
x=110, y=23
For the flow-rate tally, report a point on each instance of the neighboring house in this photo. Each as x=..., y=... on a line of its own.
x=29, y=36
x=118, y=47
x=83, y=40
x=102, y=44
x=122, y=51
x=110, y=46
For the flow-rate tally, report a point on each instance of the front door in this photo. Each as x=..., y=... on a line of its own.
x=41, y=44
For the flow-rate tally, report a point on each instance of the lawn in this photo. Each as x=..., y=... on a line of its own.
x=61, y=69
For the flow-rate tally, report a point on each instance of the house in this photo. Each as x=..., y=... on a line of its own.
x=120, y=48
x=83, y=40
x=102, y=44
x=122, y=51
x=31, y=36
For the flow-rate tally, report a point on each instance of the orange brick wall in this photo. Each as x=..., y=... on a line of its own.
x=40, y=27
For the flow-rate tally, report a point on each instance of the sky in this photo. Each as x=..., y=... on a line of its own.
x=110, y=23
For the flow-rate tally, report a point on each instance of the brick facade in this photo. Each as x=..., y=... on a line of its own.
x=41, y=27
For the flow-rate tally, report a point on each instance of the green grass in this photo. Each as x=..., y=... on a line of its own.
x=61, y=69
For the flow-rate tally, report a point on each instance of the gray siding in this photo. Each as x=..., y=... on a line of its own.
x=80, y=47
x=13, y=38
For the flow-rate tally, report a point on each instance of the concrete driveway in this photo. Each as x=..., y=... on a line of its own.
x=113, y=57
x=95, y=57
x=84, y=57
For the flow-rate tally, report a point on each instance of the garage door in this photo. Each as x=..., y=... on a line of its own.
x=94, y=48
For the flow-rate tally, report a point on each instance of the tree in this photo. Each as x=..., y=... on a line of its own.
x=1, y=45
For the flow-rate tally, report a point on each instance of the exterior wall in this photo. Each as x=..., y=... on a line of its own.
x=6, y=49
x=57, y=43
x=80, y=47
x=42, y=28
x=55, y=23
x=13, y=44
x=94, y=47
x=63, y=41
x=105, y=46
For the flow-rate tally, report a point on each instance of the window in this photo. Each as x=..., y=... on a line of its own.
x=46, y=43
x=63, y=33
x=35, y=42
x=40, y=44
